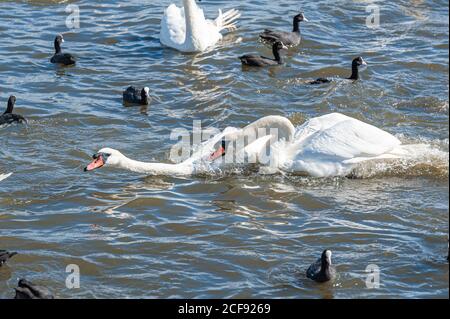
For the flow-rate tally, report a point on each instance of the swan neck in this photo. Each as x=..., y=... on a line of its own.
x=190, y=12
x=154, y=168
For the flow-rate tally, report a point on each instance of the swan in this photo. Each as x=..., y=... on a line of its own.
x=324, y=146
x=207, y=152
x=186, y=29
x=4, y=176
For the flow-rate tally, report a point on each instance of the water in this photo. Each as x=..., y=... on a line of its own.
x=234, y=234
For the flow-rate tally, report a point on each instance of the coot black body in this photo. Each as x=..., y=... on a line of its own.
x=134, y=96
x=28, y=290
x=356, y=63
x=261, y=61
x=5, y=256
x=322, y=270
x=290, y=39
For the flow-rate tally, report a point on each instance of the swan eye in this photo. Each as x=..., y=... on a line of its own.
x=105, y=156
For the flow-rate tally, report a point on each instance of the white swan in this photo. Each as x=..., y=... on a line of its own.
x=328, y=145
x=186, y=29
x=207, y=153
x=4, y=176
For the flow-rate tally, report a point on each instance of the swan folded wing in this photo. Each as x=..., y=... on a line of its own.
x=173, y=26
x=350, y=139
x=318, y=124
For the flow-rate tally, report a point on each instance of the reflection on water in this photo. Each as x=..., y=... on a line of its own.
x=238, y=233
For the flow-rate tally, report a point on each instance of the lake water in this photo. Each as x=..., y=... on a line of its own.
x=236, y=234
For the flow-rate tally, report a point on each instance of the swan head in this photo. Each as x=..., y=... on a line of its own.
x=105, y=156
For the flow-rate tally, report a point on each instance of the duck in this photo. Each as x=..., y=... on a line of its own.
x=186, y=29
x=5, y=256
x=326, y=146
x=322, y=270
x=9, y=117
x=261, y=61
x=27, y=290
x=59, y=57
x=134, y=96
x=290, y=39
x=356, y=63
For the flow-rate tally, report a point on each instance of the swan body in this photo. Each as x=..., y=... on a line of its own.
x=187, y=30
x=329, y=145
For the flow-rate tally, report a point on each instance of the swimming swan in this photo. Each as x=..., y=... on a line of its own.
x=329, y=145
x=186, y=29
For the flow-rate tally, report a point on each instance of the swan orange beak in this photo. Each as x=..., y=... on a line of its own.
x=220, y=152
x=96, y=163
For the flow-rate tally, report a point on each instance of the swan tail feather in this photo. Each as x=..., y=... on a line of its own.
x=227, y=20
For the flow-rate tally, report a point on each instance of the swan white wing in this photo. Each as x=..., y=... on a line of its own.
x=173, y=26
x=4, y=176
x=349, y=139
x=328, y=146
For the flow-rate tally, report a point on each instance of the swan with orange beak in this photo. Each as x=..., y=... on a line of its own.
x=99, y=161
